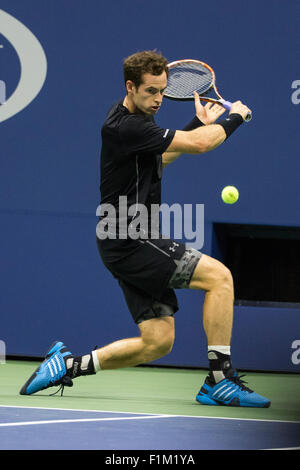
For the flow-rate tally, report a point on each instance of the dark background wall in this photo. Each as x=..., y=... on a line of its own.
x=53, y=285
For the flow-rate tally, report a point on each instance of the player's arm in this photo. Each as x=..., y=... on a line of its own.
x=197, y=141
x=205, y=138
x=206, y=115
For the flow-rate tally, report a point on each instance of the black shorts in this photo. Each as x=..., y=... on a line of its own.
x=144, y=269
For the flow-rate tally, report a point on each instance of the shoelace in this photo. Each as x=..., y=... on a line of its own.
x=61, y=388
x=66, y=381
x=237, y=380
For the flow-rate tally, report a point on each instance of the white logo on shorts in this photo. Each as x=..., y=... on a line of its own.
x=173, y=248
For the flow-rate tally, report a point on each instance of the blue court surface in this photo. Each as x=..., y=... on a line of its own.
x=25, y=428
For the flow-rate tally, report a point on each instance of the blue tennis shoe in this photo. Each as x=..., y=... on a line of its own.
x=52, y=371
x=230, y=391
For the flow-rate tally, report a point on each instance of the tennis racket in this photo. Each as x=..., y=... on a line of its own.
x=187, y=76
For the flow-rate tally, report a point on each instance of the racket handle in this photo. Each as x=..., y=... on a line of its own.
x=227, y=105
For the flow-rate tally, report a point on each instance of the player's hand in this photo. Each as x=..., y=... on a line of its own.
x=209, y=113
x=240, y=108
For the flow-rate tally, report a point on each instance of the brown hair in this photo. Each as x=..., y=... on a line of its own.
x=139, y=63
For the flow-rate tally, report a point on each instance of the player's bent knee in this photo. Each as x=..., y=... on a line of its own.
x=223, y=280
x=227, y=277
x=166, y=346
x=158, y=337
x=211, y=274
x=161, y=346
x=159, y=350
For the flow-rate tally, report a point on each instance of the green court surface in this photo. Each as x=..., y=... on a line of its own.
x=151, y=390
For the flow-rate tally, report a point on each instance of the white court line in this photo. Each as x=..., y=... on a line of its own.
x=78, y=420
x=284, y=448
x=153, y=414
x=81, y=410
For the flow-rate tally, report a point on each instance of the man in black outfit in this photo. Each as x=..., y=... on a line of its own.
x=147, y=265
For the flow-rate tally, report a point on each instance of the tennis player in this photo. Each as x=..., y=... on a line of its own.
x=149, y=267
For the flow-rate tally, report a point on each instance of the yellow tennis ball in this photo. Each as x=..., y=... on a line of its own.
x=230, y=194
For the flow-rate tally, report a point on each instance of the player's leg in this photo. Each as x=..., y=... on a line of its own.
x=156, y=325
x=154, y=318
x=60, y=366
x=216, y=280
x=155, y=340
x=199, y=271
x=223, y=385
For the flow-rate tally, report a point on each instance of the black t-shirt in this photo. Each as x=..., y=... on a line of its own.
x=131, y=159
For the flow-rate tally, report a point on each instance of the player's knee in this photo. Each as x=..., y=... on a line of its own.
x=158, y=336
x=224, y=280
x=211, y=275
x=159, y=346
x=221, y=277
x=165, y=345
x=228, y=277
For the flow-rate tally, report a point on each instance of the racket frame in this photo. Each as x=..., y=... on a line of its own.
x=213, y=82
x=226, y=104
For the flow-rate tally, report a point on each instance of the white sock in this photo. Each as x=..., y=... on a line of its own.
x=96, y=361
x=221, y=349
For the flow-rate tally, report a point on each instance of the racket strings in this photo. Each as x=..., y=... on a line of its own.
x=184, y=79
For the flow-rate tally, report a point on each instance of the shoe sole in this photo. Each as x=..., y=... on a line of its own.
x=205, y=400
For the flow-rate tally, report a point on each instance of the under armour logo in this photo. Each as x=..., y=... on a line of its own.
x=173, y=248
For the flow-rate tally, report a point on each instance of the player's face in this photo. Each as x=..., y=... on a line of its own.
x=147, y=98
